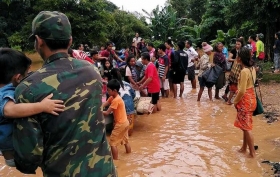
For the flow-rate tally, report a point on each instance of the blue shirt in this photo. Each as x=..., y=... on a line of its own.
x=6, y=125
x=7, y=93
x=225, y=52
x=128, y=95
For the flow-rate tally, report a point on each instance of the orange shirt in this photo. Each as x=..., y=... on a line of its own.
x=118, y=107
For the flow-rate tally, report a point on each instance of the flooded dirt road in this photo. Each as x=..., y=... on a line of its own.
x=191, y=139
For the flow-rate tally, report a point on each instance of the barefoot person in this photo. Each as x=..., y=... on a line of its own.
x=179, y=66
x=220, y=60
x=71, y=143
x=116, y=105
x=204, y=64
x=150, y=80
x=245, y=100
x=127, y=94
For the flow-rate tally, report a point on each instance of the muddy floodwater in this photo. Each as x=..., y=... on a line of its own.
x=188, y=138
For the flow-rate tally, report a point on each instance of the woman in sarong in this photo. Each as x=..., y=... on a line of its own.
x=245, y=100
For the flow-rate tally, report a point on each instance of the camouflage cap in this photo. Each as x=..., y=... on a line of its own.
x=51, y=25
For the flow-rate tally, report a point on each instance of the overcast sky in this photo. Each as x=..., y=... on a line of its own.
x=138, y=5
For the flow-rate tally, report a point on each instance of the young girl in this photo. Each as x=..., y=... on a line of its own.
x=203, y=64
x=234, y=72
x=130, y=71
x=107, y=70
x=245, y=100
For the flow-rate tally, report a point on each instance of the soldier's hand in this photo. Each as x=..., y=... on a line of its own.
x=52, y=106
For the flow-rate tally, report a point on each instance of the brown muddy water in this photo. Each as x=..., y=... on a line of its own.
x=191, y=139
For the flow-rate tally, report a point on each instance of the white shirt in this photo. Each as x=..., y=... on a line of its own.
x=192, y=54
x=136, y=40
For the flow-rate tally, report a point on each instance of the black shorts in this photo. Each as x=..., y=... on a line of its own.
x=191, y=73
x=155, y=97
x=178, y=76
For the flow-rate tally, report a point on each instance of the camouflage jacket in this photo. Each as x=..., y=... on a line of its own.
x=73, y=143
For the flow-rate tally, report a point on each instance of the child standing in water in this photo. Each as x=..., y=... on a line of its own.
x=120, y=132
x=14, y=66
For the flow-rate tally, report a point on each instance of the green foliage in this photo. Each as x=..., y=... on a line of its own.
x=93, y=21
x=226, y=38
x=191, y=9
x=165, y=24
x=125, y=26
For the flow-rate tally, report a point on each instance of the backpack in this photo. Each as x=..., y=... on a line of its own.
x=181, y=60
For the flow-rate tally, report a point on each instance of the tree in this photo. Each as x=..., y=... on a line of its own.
x=166, y=24
x=125, y=25
x=191, y=9
x=214, y=18
x=255, y=16
x=12, y=17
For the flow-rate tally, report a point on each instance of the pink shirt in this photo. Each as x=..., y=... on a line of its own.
x=254, y=47
x=152, y=53
x=151, y=72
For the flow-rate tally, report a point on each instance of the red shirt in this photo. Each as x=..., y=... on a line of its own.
x=106, y=53
x=254, y=47
x=109, y=54
x=151, y=72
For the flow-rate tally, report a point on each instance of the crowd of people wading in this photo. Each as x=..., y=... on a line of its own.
x=53, y=118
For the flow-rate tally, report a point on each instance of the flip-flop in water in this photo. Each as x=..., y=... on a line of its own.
x=256, y=147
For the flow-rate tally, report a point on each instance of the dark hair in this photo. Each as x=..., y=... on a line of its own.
x=181, y=45
x=245, y=56
x=116, y=74
x=107, y=44
x=57, y=44
x=93, y=52
x=128, y=59
x=189, y=42
x=216, y=46
x=111, y=65
x=78, y=45
x=162, y=47
x=241, y=40
x=150, y=44
x=70, y=52
x=12, y=62
x=278, y=35
x=114, y=84
x=146, y=56
x=253, y=37
x=169, y=42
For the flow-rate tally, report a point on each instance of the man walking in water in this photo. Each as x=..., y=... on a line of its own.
x=192, y=55
x=73, y=143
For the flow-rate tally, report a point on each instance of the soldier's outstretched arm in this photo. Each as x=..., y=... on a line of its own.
x=27, y=136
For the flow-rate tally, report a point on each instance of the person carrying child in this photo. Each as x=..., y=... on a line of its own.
x=73, y=143
x=116, y=105
x=14, y=66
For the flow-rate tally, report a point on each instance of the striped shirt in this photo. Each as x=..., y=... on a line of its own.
x=163, y=63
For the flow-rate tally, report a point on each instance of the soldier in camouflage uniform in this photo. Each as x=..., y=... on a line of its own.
x=73, y=143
